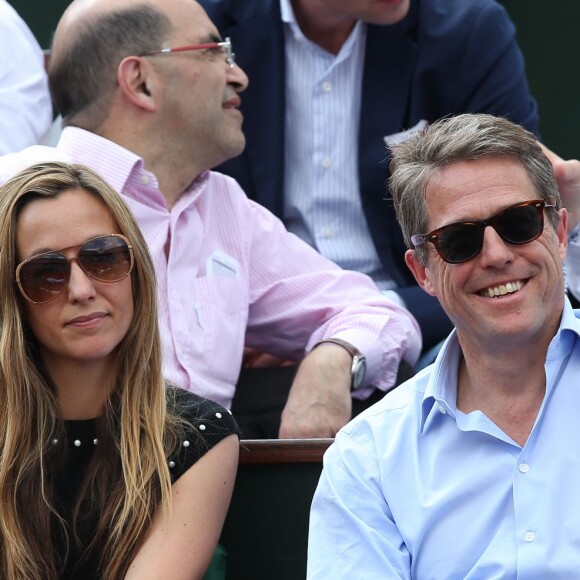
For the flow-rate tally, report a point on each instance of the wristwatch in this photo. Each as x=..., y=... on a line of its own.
x=359, y=363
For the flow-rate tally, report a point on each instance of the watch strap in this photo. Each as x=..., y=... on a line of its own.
x=352, y=350
x=358, y=365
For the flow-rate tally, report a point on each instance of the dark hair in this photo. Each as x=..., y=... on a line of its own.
x=82, y=71
x=461, y=138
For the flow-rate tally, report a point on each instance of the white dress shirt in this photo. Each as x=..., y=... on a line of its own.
x=321, y=184
x=25, y=103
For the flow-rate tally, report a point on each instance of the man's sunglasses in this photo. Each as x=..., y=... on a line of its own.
x=461, y=241
x=43, y=277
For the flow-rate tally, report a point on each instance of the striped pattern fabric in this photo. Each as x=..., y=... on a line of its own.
x=321, y=185
x=228, y=273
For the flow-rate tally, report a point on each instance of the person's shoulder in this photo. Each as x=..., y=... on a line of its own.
x=455, y=19
x=10, y=20
x=456, y=10
x=206, y=419
x=202, y=425
x=204, y=415
x=399, y=410
x=13, y=163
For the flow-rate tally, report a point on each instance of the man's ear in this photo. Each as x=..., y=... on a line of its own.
x=137, y=80
x=419, y=271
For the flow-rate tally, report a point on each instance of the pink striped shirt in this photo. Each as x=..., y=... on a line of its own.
x=235, y=276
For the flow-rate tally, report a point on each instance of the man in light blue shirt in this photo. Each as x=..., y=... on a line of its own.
x=470, y=469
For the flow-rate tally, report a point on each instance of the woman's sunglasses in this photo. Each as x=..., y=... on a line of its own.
x=461, y=241
x=43, y=277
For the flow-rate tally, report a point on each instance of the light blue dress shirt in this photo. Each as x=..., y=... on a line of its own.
x=414, y=488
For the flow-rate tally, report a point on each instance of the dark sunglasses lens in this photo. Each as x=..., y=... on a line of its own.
x=45, y=277
x=107, y=259
x=459, y=242
x=520, y=225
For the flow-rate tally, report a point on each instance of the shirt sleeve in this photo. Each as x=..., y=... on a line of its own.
x=352, y=533
x=298, y=297
x=24, y=96
x=207, y=423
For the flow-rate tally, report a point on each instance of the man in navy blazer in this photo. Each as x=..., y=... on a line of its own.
x=443, y=57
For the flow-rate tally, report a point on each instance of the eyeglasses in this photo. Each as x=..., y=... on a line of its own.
x=224, y=46
x=461, y=241
x=43, y=277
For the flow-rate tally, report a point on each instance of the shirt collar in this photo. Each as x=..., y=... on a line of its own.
x=568, y=332
x=441, y=391
x=107, y=158
x=123, y=170
x=287, y=12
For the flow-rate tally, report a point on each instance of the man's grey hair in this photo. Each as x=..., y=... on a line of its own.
x=83, y=67
x=462, y=138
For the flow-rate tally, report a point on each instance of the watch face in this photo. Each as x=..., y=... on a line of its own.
x=359, y=367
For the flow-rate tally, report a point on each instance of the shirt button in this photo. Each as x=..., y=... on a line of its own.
x=326, y=86
x=529, y=536
x=327, y=163
x=442, y=409
x=524, y=467
x=145, y=179
x=328, y=233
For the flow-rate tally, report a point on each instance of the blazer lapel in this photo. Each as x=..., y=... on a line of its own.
x=390, y=60
x=259, y=41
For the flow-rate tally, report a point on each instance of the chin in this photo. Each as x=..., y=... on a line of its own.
x=396, y=11
x=235, y=147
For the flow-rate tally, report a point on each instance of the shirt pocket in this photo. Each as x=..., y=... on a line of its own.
x=221, y=314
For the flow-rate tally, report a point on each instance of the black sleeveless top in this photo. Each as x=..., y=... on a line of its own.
x=211, y=423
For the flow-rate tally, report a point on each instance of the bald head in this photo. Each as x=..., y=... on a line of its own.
x=91, y=39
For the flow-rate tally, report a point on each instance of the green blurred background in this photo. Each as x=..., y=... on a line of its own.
x=547, y=34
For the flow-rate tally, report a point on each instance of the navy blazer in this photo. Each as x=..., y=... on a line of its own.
x=445, y=57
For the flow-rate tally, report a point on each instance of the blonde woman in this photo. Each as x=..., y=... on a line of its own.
x=104, y=471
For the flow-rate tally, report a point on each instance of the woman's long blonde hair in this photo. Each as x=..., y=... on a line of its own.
x=128, y=477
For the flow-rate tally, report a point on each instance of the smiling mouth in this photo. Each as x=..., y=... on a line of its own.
x=502, y=289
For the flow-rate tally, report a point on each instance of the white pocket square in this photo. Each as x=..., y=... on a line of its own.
x=395, y=138
x=219, y=264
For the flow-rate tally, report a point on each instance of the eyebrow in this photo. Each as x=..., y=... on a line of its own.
x=41, y=251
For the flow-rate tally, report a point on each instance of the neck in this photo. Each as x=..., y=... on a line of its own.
x=174, y=170
x=509, y=390
x=82, y=389
x=326, y=28
x=174, y=177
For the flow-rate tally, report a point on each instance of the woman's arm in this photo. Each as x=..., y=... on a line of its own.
x=182, y=546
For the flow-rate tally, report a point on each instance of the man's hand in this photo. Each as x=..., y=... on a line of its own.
x=568, y=177
x=319, y=402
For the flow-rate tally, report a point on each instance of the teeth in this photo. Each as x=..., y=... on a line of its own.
x=502, y=290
